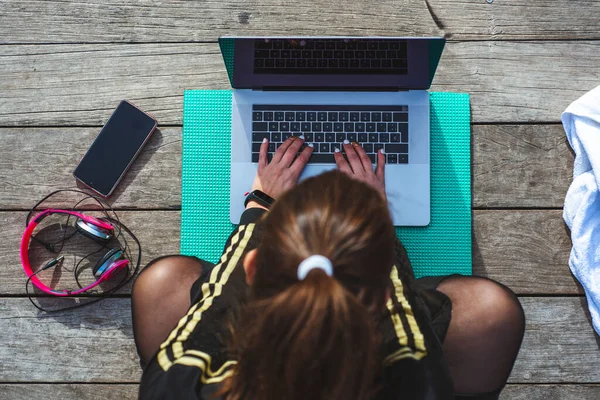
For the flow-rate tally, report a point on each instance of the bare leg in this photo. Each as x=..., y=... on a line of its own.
x=484, y=335
x=160, y=297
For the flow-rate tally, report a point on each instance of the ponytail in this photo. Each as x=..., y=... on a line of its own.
x=305, y=335
x=314, y=340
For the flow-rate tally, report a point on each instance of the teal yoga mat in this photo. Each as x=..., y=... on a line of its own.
x=442, y=248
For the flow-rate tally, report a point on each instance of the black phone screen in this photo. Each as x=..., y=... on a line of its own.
x=115, y=148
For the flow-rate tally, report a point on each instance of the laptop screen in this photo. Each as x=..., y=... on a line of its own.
x=331, y=62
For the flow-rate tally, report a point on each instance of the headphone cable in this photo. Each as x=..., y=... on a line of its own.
x=128, y=276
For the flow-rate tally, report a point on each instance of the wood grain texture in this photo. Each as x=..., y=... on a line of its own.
x=178, y=21
x=520, y=165
x=91, y=344
x=81, y=391
x=519, y=81
x=82, y=84
x=184, y=21
x=37, y=161
x=560, y=344
x=526, y=250
x=516, y=19
x=95, y=344
x=550, y=392
x=66, y=85
x=513, y=166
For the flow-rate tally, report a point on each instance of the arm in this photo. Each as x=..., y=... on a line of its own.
x=194, y=357
x=414, y=365
x=193, y=361
x=282, y=173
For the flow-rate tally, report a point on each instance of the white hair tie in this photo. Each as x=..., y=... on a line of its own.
x=312, y=262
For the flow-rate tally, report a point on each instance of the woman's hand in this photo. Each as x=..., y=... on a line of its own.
x=282, y=173
x=359, y=166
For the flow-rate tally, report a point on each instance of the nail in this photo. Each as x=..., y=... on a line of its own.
x=382, y=152
x=311, y=145
x=354, y=144
x=336, y=150
x=265, y=140
x=301, y=137
x=346, y=141
x=294, y=137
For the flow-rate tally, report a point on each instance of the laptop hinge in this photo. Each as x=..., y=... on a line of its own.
x=330, y=89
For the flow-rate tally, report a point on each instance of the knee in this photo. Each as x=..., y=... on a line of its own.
x=166, y=272
x=499, y=306
x=495, y=307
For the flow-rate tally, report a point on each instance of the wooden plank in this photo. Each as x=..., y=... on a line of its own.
x=526, y=250
x=559, y=344
x=157, y=231
x=519, y=81
x=80, y=391
x=550, y=392
x=96, y=345
x=82, y=84
x=91, y=344
x=178, y=21
x=28, y=391
x=520, y=165
x=35, y=162
x=184, y=21
x=516, y=19
x=68, y=85
x=513, y=166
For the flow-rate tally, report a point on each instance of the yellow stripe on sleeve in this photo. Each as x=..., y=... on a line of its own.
x=404, y=352
x=398, y=327
x=412, y=322
x=207, y=301
x=213, y=275
x=206, y=357
x=202, y=361
x=201, y=364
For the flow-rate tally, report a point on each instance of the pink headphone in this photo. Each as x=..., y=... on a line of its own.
x=98, y=230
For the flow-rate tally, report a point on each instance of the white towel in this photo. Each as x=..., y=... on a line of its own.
x=581, y=121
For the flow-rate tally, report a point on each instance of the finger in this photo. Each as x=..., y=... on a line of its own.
x=291, y=151
x=341, y=162
x=380, y=169
x=362, y=155
x=262, y=154
x=353, y=159
x=300, y=162
x=283, y=148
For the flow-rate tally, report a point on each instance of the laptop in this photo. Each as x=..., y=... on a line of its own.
x=372, y=90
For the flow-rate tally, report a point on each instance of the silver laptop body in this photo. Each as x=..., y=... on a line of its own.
x=267, y=90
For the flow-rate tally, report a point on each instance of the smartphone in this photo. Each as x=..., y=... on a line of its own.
x=114, y=150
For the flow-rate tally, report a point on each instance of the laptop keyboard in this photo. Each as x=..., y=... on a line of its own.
x=327, y=126
x=330, y=56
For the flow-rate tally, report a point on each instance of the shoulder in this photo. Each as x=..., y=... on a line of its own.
x=195, y=355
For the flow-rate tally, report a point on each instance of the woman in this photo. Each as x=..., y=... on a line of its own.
x=316, y=299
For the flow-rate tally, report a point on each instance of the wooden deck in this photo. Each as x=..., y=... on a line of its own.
x=64, y=66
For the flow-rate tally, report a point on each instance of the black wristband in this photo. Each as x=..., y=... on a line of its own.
x=260, y=197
